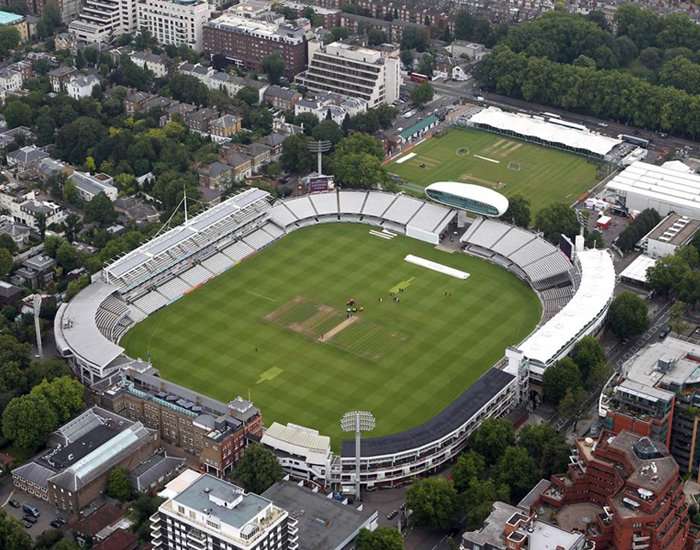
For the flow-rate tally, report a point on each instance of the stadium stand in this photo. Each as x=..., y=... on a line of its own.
x=258, y=239
x=218, y=263
x=196, y=276
x=174, y=289
x=325, y=204
x=522, y=252
x=238, y=251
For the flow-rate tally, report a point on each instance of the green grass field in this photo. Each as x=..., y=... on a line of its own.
x=541, y=174
x=275, y=326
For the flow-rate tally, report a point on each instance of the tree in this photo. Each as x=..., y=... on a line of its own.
x=100, y=210
x=546, y=446
x=518, y=212
x=375, y=37
x=65, y=395
x=73, y=225
x=18, y=113
x=76, y=138
x=188, y=89
x=667, y=274
x=8, y=243
x=382, y=538
x=564, y=374
x=426, y=64
x=258, y=469
x=6, y=262
x=470, y=466
x=422, y=94
x=492, y=438
x=359, y=171
x=67, y=256
x=433, y=503
x=570, y=404
x=587, y=353
x=119, y=485
x=518, y=471
x=555, y=220
x=273, y=65
x=28, y=420
x=9, y=40
x=41, y=224
x=415, y=38
x=296, y=157
x=677, y=317
x=248, y=95
x=407, y=59
x=12, y=534
x=478, y=499
x=338, y=33
x=628, y=315
x=328, y=131
x=359, y=142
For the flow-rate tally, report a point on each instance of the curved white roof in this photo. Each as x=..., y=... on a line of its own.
x=539, y=128
x=592, y=298
x=473, y=192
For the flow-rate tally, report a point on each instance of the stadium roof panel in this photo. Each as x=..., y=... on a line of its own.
x=79, y=329
x=594, y=293
x=539, y=128
x=449, y=419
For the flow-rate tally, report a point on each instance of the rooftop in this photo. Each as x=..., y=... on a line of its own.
x=324, y=523
x=674, y=229
x=8, y=18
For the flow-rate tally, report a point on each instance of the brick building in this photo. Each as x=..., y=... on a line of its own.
x=621, y=491
x=215, y=433
x=247, y=42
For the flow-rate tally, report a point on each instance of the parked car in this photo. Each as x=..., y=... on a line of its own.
x=27, y=524
x=31, y=510
x=14, y=503
x=664, y=332
x=30, y=519
x=58, y=523
x=391, y=515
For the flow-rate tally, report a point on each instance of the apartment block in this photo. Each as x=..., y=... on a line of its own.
x=373, y=75
x=247, y=42
x=174, y=22
x=206, y=512
x=100, y=21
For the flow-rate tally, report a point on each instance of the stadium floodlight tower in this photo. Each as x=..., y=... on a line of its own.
x=37, y=324
x=358, y=422
x=319, y=147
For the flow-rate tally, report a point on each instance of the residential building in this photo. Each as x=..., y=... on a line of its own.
x=512, y=528
x=215, y=175
x=26, y=158
x=73, y=471
x=35, y=272
x=322, y=522
x=469, y=50
x=100, y=21
x=225, y=126
x=274, y=141
x=241, y=163
x=10, y=295
x=259, y=154
x=82, y=85
x=281, y=98
x=200, y=119
x=329, y=17
x=212, y=433
x=136, y=210
x=157, y=64
x=221, y=81
x=25, y=208
x=174, y=22
x=60, y=76
x=155, y=472
x=10, y=81
x=247, y=42
x=657, y=394
x=338, y=106
x=8, y=137
x=621, y=491
x=49, y=167
x=373, y=75
x=18, y=232
x=90, y=185
x=669, y=234
x=207, y=512
x=19, y=22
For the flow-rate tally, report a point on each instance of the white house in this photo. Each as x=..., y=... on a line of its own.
x=91, y=185
x=155, y=63
x=10, y=81
x=459, y=74
x=81, y=86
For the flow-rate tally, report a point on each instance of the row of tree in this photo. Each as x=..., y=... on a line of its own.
x=612, y=94
x=497, y=466
x=678, y=276
x=640, y=226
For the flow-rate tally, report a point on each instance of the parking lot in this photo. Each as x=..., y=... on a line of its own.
x=48, y=512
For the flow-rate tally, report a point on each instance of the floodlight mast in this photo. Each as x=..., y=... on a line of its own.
x=319, y=147
x=358, y=422
x=37, y=324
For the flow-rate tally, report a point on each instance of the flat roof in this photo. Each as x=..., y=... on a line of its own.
x=674, y=229
x=637, y=270
x=448, y=420
x=324, y=523
x=539, y=128
x=673, y=187
x=593, y=295
x=7, y=18
x=682, y=356
x=470, y=191
x=206, y=492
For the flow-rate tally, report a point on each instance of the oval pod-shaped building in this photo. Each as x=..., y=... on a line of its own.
x=466, y=196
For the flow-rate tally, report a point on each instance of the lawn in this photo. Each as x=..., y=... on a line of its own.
x=508, y=165
x=275, y=327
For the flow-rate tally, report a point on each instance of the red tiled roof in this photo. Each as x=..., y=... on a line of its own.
x=119, y=540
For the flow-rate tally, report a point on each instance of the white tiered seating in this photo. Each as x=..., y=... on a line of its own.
x=258, y=239
x=175, y=288
x=218, y=263
x=326, y=204
x=377, y=203
x=237, y=251
x=351, y=202
x=196, y=276
x=151, y=302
